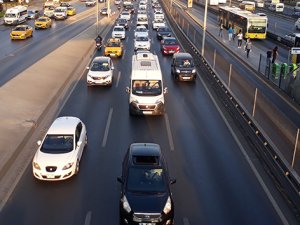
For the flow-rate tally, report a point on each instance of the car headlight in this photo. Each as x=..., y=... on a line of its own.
x=158, y=101
x=126, y=205
x=36, y=165
x=194, y=71
x=177, y=48
x=168, y=206
x=67, y=166
x=177, y=71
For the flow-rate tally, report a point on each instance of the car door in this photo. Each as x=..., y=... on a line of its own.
x=79, y=138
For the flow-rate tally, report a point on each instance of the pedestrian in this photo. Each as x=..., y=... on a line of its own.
x=269, y=56
x=221, y=30
x=274, y=54
x=248, y=47
x=230, y=32
x=240, y=38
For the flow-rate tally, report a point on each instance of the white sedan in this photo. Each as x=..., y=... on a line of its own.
x=142, y=43
x=118, y=32
x=141, y=31
x=59, y=153
x=100, y=72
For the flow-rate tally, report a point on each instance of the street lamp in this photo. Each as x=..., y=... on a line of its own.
x=204, y=27
x=97, y=18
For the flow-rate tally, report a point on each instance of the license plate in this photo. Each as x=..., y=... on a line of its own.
x=186, y=78
x=172, y=51
x=112, y=54
x=146, y=223
x=50, y=176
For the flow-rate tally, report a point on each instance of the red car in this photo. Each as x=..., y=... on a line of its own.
x=169, y=46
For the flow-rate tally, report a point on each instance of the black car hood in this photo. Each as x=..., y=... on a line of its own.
x=150, y=203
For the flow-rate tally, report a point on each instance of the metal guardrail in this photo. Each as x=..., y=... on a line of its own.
x=275, y=131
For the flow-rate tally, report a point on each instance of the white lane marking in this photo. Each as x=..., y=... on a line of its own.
x=118, y=79
x=126, y=40
x=88, y=218
x=123, y=55
x=186, y=221
x=170, y=137
x=107, y=127
x=258, y=177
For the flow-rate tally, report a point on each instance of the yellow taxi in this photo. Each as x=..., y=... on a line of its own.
x=71, y=11
x=21, y=32
x=42, y=22
x=113, y=47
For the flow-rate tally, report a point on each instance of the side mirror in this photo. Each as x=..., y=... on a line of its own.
x=87, y=67
x=165, y=90
x=79, y=143
x=39, y=142
x=119, y=179
x=172, y=181
x=128, y=90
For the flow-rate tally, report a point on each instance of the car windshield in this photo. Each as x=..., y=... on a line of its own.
x=142, y=38
x=31, y=12
x=113, y=44
x=142, y=19
x=141, y=29
x=170, y=42
x=100, y=66
x=146, y=180
x=122, y=21
x=19, y=29
x=185, y=63
x=10, y=15
x=42, y=19
x=118, y=29
x=57, y=144
x=59, y=10
x=164, y=29
x=146, y=87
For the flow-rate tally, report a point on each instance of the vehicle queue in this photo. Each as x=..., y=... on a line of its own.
x=59, y=153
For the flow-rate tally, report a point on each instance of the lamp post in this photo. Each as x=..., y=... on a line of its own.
x=97, y=17
x=204, y=27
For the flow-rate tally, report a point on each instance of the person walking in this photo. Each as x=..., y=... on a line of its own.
x=221, y=30
x=248, y=47
x=274, y=54
x=240, y=38
x=230, y=32
x=269, y=56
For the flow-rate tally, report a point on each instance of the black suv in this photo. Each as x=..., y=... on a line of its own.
x=122, y=22
x=145, y=197
x=183, y=67
x=163, y=32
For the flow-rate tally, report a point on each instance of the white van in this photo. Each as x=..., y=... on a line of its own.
x=277, y=7
x=297, y=7
x=60, y=13
x=15, y=15
x=260, y=3
x=146, y=91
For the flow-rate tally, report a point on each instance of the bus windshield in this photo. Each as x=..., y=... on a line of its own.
x=257, y=26
x=146, y=87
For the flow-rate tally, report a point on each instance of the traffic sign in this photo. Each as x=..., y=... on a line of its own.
x=295, y=50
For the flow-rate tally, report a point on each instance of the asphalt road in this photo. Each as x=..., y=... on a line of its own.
x=26, y=52
x=215, y=184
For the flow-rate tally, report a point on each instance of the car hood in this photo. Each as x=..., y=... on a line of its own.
x=59, y=160
x=99, y=73
x=155, y=202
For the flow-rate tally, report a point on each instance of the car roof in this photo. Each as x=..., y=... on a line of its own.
x=114, y=40
x=182, y=55
x=145, y=154
x=101, y=59
x=64, y=125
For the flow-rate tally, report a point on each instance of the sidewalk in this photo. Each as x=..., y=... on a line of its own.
x=31, y=100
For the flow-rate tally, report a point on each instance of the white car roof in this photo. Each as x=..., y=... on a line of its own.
x=64, y=125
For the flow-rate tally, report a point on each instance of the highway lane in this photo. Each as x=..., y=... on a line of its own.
x=25, y=53
x=215, y=184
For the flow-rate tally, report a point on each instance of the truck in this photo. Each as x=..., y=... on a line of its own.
x=146, y=91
